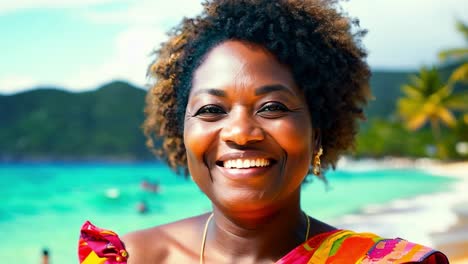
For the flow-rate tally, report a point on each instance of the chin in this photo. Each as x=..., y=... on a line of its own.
x=252, y=204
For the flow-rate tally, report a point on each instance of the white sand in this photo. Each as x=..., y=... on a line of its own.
x=424, y=219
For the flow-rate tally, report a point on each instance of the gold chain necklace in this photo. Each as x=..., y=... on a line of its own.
x=207, y=223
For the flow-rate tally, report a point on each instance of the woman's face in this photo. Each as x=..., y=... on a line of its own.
x=248, y=132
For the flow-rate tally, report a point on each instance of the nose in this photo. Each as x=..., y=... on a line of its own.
x=241, y=128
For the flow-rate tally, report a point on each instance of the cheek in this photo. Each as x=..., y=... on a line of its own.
x=295, y=138
x=195, y=138
x=197, y=141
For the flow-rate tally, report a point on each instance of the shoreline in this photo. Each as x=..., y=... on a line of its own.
x=447, y=210
x=454, y=240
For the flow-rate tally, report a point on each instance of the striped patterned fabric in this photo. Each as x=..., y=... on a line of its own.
x=344, y=246
x=100, y=246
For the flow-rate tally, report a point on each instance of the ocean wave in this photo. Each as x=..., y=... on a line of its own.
x=416, y=219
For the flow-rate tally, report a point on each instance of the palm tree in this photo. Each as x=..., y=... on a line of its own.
x=458, y=54
x=429, y=100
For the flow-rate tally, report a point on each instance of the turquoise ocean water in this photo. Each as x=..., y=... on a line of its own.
x=44, y=205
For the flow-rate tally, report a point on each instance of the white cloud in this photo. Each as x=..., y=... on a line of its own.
x=408, y=34
x=145, y=23
x=401, y=34
x=8, y=6
x=146, y=12
x=129, y=61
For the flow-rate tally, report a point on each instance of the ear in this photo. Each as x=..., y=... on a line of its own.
x=317, y=140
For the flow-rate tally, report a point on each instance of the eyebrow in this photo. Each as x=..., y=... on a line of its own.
x=259, y=91
x=215, y=92
x=272, y=88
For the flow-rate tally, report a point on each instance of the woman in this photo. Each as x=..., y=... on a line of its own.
x=249, y=96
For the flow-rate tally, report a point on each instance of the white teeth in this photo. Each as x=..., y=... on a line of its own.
x=243, y=164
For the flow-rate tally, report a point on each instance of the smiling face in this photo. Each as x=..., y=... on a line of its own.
x=247, y=132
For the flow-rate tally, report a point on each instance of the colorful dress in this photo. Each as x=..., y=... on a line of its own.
x=100, y=246
x=344, y=246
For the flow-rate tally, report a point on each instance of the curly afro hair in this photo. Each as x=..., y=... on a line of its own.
x=320, y=44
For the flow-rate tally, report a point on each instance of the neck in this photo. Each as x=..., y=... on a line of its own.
x=253, y=236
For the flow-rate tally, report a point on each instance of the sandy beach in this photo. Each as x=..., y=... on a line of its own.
x=454, y=241
x=438, y=220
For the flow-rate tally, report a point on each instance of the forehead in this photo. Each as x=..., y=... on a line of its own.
x=239, y=64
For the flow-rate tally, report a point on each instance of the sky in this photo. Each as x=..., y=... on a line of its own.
x=79, y=45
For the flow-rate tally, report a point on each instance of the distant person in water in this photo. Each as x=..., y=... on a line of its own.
x=150, y=186
x=142, y=207
x=45, y=256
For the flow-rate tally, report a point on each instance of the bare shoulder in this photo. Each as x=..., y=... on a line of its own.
x=143, y=247
x=177, y=241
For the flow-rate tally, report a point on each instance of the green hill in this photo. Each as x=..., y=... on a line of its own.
x=385, y=86
x=54, y=124
x=386, y=89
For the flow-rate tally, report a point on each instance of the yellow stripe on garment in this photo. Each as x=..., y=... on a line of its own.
x=326, y=247
x=409, y=256
x=92, y=258
x=108, y=232
x=322, y=252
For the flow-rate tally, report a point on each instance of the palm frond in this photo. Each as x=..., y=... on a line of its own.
x=462, y=28
x=458, y=101
x=445, y=116
x=408, y=107
x=416, y=121
x=442, y=92
x=427, y=98
x=460, y=74
x=411, y=91
x=455, y=53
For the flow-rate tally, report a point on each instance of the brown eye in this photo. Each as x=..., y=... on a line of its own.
x=273, y=110
x=274, y=107
x=210, y=110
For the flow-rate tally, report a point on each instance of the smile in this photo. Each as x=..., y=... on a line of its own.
x=245, y=163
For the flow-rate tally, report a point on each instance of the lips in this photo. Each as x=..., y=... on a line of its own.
x=245, y=160
x=246, y=163
x=241, y=168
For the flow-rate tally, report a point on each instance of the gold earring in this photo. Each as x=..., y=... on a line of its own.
x=316, y=170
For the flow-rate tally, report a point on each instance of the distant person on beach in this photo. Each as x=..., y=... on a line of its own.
x=142, y=207
x=251, y=98
x=45, y=256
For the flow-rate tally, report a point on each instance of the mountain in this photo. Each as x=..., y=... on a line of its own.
x=385, y=87
x=55, y=124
